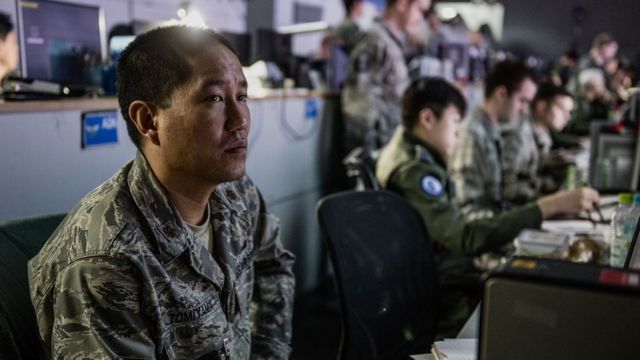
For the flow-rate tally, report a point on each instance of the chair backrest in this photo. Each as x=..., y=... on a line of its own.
x=361, y=165
x=385, y=274
x=20, y=241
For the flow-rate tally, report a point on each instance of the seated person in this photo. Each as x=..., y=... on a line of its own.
x=527, y=159
x=175, y=256
x=476, y=166
x=413, y=164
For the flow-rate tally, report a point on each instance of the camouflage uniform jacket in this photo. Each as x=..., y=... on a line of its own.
x=349, y=33
x=376, y=78
x=124, y=277
x=522, y=161
x=476, y=167
x=419, y=173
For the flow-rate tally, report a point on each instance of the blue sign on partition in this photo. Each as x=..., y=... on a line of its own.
x=99, y=128
x=311, y=109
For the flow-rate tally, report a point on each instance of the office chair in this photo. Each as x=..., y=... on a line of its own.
x=20, y=241
x=385, y=274
x=361, y=165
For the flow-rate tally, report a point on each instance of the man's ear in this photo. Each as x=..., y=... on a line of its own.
x=426, y=118
x=501, y=93
x=145, y=117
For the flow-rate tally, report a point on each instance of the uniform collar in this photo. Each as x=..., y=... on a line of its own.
x=400, y=41
x=153, y=201
x=483, y=119
x=426, y=152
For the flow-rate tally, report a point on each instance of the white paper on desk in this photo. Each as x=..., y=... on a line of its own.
x=458, y=349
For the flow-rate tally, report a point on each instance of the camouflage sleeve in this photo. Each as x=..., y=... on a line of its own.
x=519, y=164
x=468, y=170
x=363, y=100
x=97, y=312
x=272, y=307
x=446, y=224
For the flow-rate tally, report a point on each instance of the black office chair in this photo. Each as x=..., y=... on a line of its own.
x=385, y=274
x=361, y=166
x=20, y=241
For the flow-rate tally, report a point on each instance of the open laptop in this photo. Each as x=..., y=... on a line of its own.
x=554, y=310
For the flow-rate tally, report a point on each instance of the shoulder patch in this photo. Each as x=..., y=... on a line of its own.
x=431, y=186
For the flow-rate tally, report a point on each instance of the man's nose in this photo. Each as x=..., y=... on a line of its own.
x=237, y=118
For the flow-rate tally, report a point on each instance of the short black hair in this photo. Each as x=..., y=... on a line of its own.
x=155, y=63
x=6, y=26
x=547, y=92
x=433, y=93
x=507, y=73
x=349, y=4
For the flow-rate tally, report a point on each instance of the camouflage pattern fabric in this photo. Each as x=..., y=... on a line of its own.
x=376, y=78
x=476, y=167
x=521, y=162
x=349, y=33
x=123, y=277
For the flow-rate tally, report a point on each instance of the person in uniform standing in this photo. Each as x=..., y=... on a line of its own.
x=175, y=256
x=413, y=164
x=476, y=162
x=348, y=31
x=377, y=75
x=528, y=163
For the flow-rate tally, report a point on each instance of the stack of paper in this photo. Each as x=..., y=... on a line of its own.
x=455, y=349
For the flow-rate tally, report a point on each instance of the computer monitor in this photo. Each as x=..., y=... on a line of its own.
x=61, y=42
x=611, y=158
x=242, y=43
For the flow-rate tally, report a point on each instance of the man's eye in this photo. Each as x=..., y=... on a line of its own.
x=214, y=98
x=242, y=98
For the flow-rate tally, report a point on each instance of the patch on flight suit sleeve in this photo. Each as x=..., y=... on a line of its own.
x=431, y=186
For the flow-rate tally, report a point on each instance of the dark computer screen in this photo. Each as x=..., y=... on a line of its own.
x=242, y=44
x=61, y=42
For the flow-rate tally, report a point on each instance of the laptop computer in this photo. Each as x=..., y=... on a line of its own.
x=547, y=309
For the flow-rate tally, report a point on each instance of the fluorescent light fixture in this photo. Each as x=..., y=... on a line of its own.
x=304, y=27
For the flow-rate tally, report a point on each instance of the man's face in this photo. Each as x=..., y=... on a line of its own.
x=443, y=136
x=412, y=12
x=609, y=50
x=203, y=134
x=558, y=112
x=9, y=51
x=518, y=103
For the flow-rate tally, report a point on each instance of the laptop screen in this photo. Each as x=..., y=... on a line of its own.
x=633, y=256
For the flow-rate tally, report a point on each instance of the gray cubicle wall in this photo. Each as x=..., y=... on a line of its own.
x=44, y=170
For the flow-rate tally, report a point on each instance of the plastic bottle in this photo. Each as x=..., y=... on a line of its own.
x=622, y=230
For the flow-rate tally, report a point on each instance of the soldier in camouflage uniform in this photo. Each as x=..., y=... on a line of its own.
x=348, y=31
x=476, y=162
x=528, y=164
x=413, y=164
x=175, y=257
x=377, y=76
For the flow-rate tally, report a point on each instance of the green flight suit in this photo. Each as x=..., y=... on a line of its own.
x=419, y=173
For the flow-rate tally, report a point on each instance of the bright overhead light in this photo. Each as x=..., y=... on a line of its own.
x=448, y=13
x=193, y=18
x=182, y=13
